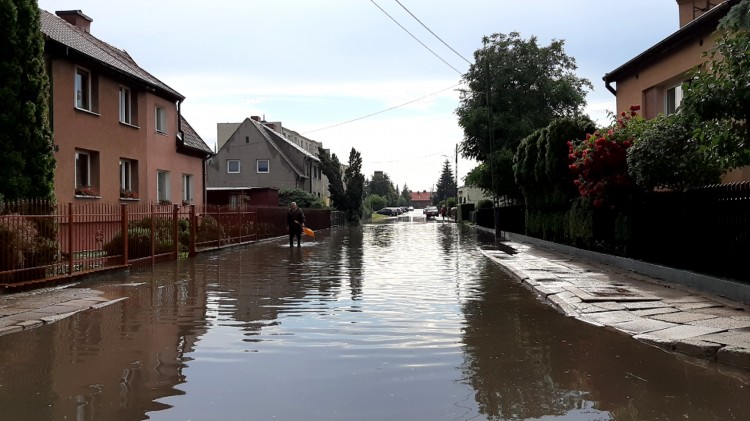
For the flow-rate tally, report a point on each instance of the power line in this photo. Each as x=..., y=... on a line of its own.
x=435, y=35
x=416, y=39
x=382, y=111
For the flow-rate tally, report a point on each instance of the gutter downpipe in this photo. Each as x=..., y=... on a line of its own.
x=608, y=86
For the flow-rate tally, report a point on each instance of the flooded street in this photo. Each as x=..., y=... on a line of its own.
x=390, y=321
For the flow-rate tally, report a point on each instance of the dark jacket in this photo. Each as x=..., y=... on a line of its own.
x=295, y=216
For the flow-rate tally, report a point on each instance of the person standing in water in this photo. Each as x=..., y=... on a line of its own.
x=295, y=221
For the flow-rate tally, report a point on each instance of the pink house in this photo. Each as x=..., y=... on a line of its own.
x=118, y=131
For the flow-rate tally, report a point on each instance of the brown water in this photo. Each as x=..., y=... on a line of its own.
x=401, y=321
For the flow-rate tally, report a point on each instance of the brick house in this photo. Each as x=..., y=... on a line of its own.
x=118, y=131
x=653, y=79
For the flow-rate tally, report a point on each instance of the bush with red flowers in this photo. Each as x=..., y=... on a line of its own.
x=599, y=162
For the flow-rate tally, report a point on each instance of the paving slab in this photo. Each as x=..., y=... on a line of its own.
x=681, y=332
x=736, y=338
x=698, y=348
x=738, y=357
x=644, y=305
x=642, y=325
x=695, y=306
x=726, y=323
x=612, y=317
x=655, y=311
x=609, y=293
x=682, y=317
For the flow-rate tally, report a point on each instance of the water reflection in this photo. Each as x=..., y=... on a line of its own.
x=390, y=321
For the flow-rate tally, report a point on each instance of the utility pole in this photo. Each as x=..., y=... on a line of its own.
x=457, y=202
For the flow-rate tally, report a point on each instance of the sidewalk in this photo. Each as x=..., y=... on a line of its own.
x=27, y=310
x=673, y=317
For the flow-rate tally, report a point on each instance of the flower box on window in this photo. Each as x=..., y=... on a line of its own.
x=87, y=191
x=128, y=194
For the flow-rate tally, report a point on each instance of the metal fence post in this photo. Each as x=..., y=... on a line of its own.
x=153, y=233
x=125, y=237
x=175, y=231
x=70, y=238
x=193, y=230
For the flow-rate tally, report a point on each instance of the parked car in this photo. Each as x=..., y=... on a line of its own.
x=430, y=212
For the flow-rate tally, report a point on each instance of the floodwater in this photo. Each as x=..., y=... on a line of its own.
x=394, y=321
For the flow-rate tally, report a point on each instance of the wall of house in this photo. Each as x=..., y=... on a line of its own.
x=647, y=86
x=162, y=155
x=108, y=140
x=248, y=145
x=99, y=132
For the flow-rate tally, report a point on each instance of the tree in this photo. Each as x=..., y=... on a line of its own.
x=406, y=195
x=718, y=94
x=515, y=87
x=355, y=187
x=331, y=167
x=446, y=186
x=381, y=185
x=27, y=161
x=347, y=193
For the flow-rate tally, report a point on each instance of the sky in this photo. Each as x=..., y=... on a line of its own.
x=343, y=73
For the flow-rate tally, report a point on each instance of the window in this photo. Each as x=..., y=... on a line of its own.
x=262, y=165
x=86, y=173
x=128, y=178
x=162, y=186
x=161, y=120
x=673, y=99
x=233, y=166
x=83, y=169
x=187, y=188
x=83, y=89
x=126, y=169
x=125, y=106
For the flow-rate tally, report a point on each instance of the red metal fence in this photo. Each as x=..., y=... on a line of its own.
x=42, y=241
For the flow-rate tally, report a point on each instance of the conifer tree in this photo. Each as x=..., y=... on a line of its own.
x=27, y=161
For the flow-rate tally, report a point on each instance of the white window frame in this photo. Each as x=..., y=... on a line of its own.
x=268, y=166
x=82, y=180
x=126, y=105
x=126, y=174
x=82, y=89
x=229, y=166
x=160, y=119
x=674, y=95
x=187, y=188
x=162, y=186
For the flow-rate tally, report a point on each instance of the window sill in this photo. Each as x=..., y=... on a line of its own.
x=160, y=133
x=132, y=126
x=87, y=197
x=83, y=110
x=130, y=199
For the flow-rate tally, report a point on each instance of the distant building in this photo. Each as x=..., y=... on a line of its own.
x=469, y=194
x=256, y=155
x=422, y=199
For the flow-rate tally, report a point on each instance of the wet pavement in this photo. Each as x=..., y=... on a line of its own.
x=660, y=313
x=404, y=320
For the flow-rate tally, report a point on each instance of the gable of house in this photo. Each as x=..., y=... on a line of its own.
x=117, y=129
x=654, y=77
x=256, y=155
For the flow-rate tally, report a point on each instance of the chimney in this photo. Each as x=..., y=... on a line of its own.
x=76, y=18
x=255, y=118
